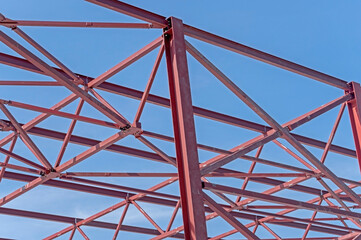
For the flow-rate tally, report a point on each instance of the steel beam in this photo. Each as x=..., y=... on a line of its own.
x=145, y=95
x=95, y=149
x=21, y=159
x=279, y=200
x=42, y=50
x=155, y=19
x=184, y=133
x=25, y=138
x=264, y=57
x=354, y=109
x=7, y=158
x=60, y=78
x=120, y=221
x=274, y=124
x=109, y=190
x=199, y=34
x=72, y=220
x=147, y=199
x=125, y=63
x=114, y=207
x=11, y=23
x=20, y=168
x=56, y=172
x=68, y=134
x=40, y=118
x=59, y=113
x=190, y=172
x=229, y=218
x=28, y=83
x=161, y=101
x=152, y=156
x=20, y=191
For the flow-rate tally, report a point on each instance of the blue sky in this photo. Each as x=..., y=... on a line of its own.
x=323, y=35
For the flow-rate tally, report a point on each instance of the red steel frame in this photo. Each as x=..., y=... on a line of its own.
x=196, y=202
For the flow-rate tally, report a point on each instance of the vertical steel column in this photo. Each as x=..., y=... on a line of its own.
x=354, y=109
x=184, y=132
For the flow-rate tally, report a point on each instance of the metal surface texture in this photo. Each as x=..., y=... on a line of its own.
x=194, y=190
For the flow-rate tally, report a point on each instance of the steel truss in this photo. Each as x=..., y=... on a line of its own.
x=199, y=200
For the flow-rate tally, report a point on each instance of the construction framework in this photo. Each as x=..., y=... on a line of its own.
x=200, y=200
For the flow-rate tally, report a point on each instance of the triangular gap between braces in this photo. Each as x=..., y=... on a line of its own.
x=68, y=135
x=25, y=138
x=215, y=71
x=119, y=67
x=121, y=219
x=255, y=107
x=149, y=85
x=218, y=74
x=144, y=96
x=158, y=151
x=325, y=151
x=225, y=80
x=147, y=216
x=209, y=66
x=103, y=77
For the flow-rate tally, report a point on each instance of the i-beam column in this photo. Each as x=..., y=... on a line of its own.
x=354, y=108
x=184, y=132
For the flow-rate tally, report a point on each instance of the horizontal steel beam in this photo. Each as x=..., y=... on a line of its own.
x=155, y=157
x=89, y=189
x=65, y=81
x=20, y=168
x=28, y=83
x=12, y=23
x=156, y=200
x=264, y=57
x=280, y=200
x=152, y=175
x=216, y=40
x=152, y=156
x=161, y=101
x=71, y=220
x=155, y=19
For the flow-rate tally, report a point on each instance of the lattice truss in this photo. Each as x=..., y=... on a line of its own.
x=273, y=183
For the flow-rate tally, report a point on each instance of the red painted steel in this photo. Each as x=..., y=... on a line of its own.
x=274, y=199
x=277, y=128
x=132, y=93
x=184, y=132
x=132, y=11
x=229, y=218
x=60, y=78
x=12, y=23
x=7, y=158
x=354, y=109
x=244, y=208
x=68, y=134
x=25, y=138
x=264, y=57
x=120, y=221
x=148, y=87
